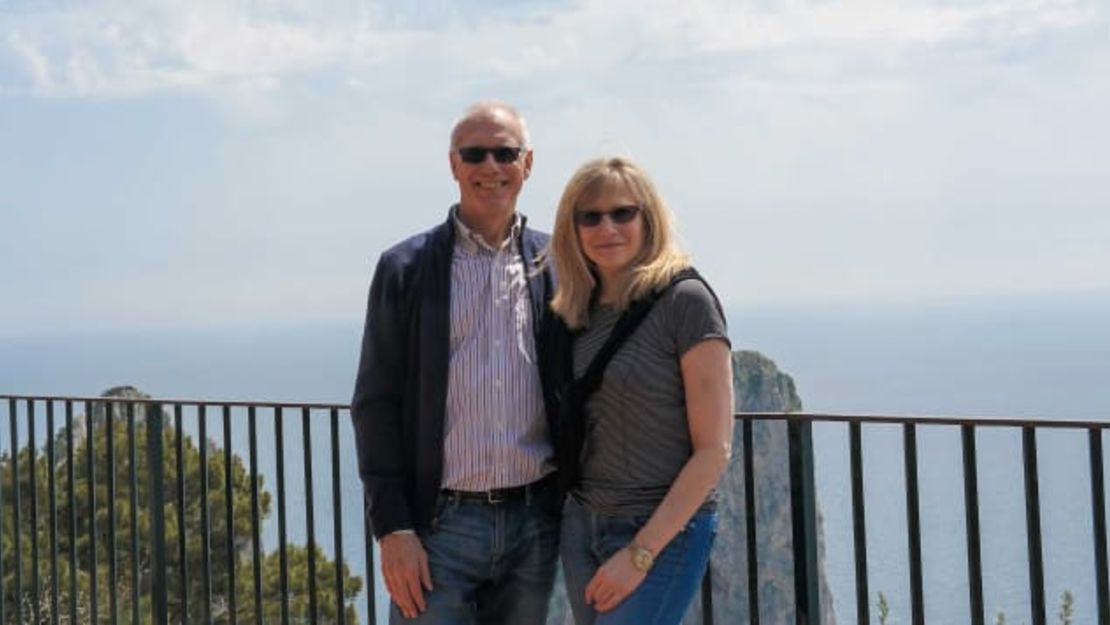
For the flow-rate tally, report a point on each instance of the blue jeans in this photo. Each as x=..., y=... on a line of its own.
x=590, y=538
x=490, y=563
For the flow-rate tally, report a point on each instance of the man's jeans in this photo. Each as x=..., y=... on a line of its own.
x=490, y=563
x=589, y=539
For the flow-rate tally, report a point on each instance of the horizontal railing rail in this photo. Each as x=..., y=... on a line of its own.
x=168, y=528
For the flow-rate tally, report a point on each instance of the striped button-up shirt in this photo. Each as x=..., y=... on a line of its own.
x=496, y=435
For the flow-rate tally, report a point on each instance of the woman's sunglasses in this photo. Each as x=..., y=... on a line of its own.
x=618, y=215
x=477, y=154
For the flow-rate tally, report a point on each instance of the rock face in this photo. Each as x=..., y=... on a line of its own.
x=758, y=386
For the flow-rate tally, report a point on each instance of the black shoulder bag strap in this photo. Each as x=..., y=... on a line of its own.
x=572, y=417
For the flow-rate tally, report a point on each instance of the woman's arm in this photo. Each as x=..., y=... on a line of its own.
x=707, y=380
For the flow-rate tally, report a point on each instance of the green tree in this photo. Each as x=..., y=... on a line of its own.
x=240, y=544
x=1067, y=607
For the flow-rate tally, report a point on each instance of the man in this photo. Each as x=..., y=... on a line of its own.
x=452, y=424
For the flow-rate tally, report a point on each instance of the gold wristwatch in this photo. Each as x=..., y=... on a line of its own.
x=642, y=559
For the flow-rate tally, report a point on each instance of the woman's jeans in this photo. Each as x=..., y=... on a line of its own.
x=590, y=538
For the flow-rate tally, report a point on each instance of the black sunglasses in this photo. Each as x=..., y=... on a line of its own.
x=475, y=154
x=618, y=215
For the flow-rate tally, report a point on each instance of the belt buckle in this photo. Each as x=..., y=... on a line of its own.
x=494, y=497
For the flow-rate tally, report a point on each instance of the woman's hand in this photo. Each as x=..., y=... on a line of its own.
x=613, y=582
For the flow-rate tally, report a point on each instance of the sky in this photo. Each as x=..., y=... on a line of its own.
x=205, y=167
x=184, y=165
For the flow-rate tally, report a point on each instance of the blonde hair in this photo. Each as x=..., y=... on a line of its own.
x=660, y=259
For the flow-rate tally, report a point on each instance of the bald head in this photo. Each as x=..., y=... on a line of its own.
x=491, y=111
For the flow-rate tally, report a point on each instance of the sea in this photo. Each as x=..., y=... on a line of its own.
x=1044, y=357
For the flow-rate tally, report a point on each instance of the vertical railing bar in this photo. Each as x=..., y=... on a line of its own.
x=283, y=556
x=32, y=449
x=337, y=512
x=133, y=497
x=310, y=520
x=205, y=520
x=1033, y=527
x=859, y=523
x=749, y=521
x=971, y=513
x=913, y=524
x=803, y=507
x=707, y=596
x=368, y=539
x=1098, y=525
x=72, y=500
x=17, y=504
x=256, y=539
x=182, y=551
x=52, y=507
x=90, y=477
x=3, y=593
x=157, y=475
x=229, y=511
x=113, y=552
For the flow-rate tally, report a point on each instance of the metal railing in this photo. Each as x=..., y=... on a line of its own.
x=804, y=515
x=154, y=575
x=151, y=572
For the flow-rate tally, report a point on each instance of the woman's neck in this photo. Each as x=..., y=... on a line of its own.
x=613, y=286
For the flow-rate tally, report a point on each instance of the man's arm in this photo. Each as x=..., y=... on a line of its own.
x=376, y=406
x=376, y=411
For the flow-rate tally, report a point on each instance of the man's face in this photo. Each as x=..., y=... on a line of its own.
x=488, y=189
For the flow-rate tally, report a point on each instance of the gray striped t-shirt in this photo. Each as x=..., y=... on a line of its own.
x=637, y=437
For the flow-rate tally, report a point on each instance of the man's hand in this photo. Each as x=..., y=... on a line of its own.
x=613, y=582
x=405, y=571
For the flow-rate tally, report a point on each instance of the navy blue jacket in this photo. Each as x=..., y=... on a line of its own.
x=400, y=397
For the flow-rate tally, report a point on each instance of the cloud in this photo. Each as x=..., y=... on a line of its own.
x=717, y=27
x=598, y=36
x=122, y=49
x=114, y=48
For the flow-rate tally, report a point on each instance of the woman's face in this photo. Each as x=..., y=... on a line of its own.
x=611, y=231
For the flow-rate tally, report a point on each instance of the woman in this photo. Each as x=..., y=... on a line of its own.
x=639, y=523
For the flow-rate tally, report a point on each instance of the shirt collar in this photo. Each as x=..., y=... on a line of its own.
x=472, y=241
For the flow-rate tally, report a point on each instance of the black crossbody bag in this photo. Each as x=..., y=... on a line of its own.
x=572, y=414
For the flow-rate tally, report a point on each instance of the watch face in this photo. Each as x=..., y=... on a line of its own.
x=642, y=560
